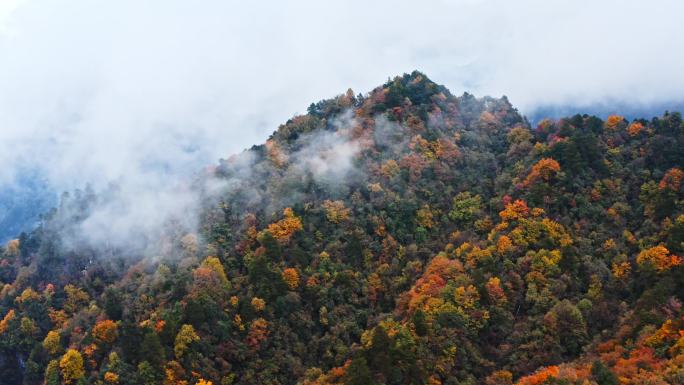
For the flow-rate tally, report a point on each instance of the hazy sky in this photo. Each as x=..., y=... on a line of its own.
x=94, y=90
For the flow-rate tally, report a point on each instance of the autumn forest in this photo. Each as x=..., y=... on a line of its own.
x=400, y=236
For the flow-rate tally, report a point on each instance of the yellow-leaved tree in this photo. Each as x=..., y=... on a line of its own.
x=185, y=337
x=71, y=365
x=51, y=342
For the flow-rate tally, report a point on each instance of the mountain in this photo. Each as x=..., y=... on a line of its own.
x=403, y=236
x=604, y=110
x=23, y=202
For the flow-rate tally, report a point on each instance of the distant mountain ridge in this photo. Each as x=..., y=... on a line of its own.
x=629, y=111
x=23, y=202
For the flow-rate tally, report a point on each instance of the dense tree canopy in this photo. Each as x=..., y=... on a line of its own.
x=404, y=236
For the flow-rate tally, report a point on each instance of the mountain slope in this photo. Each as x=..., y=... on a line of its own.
x=405, y=236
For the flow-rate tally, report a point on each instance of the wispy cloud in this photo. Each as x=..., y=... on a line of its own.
x=142, y=92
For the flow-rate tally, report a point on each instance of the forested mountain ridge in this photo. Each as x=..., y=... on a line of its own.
x=405, y=236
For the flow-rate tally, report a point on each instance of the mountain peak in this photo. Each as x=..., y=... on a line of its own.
x=401, y=98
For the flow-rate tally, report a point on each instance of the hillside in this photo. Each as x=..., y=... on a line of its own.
x=403, y=236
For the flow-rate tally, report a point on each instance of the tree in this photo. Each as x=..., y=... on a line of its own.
x=614, y=121
x=258, y=332
x=52, y=373
x=146, y=374
x=602, y=375
x=358, y=373
x=189, y=245
x=286, y=227
x=76, y=298
x=672, y=180
x=71, y=365
x=111, y=378
x=258, y=304
x=658, y=257
x=415, y=164
x=113, y=303
x=105, y=331
x=464, y=207
x=354, y=249
x=504, y=245
x=500, y=377
x=675, y=241
x=151, y=349
x=515, y=211
x=265, y=280
x=12, y=248
x=389, y=169
x=544, y=170
x=420, y=324
x=541, y=376
x=185, y=337
x=51, y=343
x=566, y=323
x=214, y=265
x=379, y=354
x=424, y=217
x=335, y=211
x=5, y=322
x=430, y=284
x=635, y=129
x=173, y=374
x=494, y=290
x=291, y=278
x=27, y=296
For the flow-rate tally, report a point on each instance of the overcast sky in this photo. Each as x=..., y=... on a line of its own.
x=93, y=91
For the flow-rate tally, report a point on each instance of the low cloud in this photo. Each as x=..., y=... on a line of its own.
x=143, y=94
x=329, y=155
x=326, y=157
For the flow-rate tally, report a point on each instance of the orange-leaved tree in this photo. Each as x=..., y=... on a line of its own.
x=544, y=170
x=291, y=278
x=286, y=227
x=658, y=257
x=105, y=331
